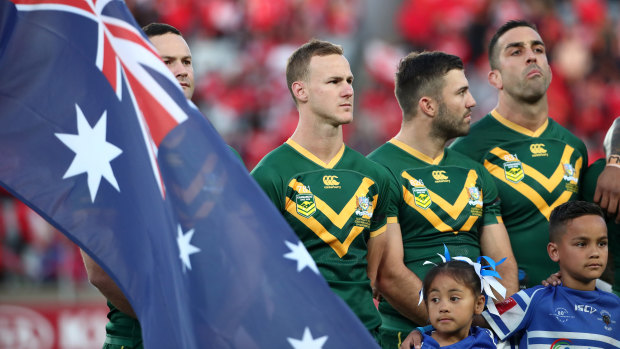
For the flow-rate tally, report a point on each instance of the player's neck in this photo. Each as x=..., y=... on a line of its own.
x=419, y=137
x=530, y=116
x=323, y=141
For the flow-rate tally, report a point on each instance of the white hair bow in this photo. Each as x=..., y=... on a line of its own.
x=487, y=273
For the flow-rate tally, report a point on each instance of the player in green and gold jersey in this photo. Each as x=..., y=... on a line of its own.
x=443, y=198
x=537, y=164
x=333, y=197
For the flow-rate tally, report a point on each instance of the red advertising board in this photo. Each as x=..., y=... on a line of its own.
x=52, y=325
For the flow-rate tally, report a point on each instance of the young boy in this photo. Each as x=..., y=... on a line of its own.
x=574, y=313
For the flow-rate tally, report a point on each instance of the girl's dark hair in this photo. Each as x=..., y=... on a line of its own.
x=460, y=271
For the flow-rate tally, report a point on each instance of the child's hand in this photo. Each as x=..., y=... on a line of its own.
x=413, y=340
x=553, y=279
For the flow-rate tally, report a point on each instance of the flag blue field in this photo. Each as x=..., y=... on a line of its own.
x=97, y=137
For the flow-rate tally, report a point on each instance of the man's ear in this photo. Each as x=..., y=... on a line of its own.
x=552, y=250
x=428, y=106
x=495, y=79
x=479, y=305
x=299, y=90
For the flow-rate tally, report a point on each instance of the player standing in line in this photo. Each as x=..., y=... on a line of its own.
x=537, y=164
x=442, y=197
x=123, y=330
x=332, y=196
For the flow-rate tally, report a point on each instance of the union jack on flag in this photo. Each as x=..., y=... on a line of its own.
x=97, y=137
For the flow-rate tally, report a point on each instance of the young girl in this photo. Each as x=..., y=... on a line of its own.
x=452, y=294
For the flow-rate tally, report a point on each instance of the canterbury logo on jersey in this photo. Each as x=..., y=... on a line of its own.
x=440, y=176
x=538, y=149
x=331, y=182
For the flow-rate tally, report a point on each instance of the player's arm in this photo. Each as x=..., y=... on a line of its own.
x=607, y=193
x=396, y=283
x=376, y=248
x=104, y=283
x=494, y=243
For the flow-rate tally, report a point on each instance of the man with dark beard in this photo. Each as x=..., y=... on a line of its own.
x=537, y=164
x=443, y=198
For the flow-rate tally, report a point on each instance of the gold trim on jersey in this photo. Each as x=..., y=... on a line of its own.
x=519, y=128
x=303, y=151
x=378, y=231
x=453, y=210
x=548, y=183
x=415, y=153
x=341, y=248
x=337, y=219
x=392, y=220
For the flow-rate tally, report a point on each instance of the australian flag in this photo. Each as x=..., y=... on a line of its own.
x=97, y=137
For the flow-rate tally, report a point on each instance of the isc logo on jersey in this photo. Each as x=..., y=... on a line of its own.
x=513, y=169
x=331, y=182
x=304, y=201
x=538, y=149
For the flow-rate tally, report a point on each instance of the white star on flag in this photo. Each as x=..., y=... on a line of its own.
x=300, y=254
x=185, y=247
x=307, y=342
x=92, y=152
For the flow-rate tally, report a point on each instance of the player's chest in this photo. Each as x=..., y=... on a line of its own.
x=547, y=167
x=334, y=193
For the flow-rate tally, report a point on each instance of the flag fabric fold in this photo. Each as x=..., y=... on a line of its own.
x=97, y=137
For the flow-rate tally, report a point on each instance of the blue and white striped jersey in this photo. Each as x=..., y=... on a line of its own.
x=558, y=317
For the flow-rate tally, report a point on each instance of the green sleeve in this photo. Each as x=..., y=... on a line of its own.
x=236, y=153
x=271, y=184
x=492, y=205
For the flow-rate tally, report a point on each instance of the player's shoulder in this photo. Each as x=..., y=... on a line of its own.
x=355, y=161
x=479, y=134
x=561, y=132
x=274, y=162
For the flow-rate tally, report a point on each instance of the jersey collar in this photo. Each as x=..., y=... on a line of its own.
x=303, y=151
x=518, y=128
x=416, y=153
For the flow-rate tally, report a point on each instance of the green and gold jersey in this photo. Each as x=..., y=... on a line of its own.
x=534, y=173
x=440, y=201
x=122, y=330
x=613, y=228
x=334, y=208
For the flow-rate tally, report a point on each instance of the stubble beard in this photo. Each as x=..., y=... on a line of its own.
x=446, y=126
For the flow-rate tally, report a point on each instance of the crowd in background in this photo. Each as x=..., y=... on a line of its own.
x=240, y=49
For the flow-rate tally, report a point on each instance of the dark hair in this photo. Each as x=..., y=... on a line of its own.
x=155, y=29
x=297, y=64
x=460, y=271
x=421, y=74
x=493, y=59
x=561, y=215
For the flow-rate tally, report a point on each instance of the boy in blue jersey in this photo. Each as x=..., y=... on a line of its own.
x=575, y=313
